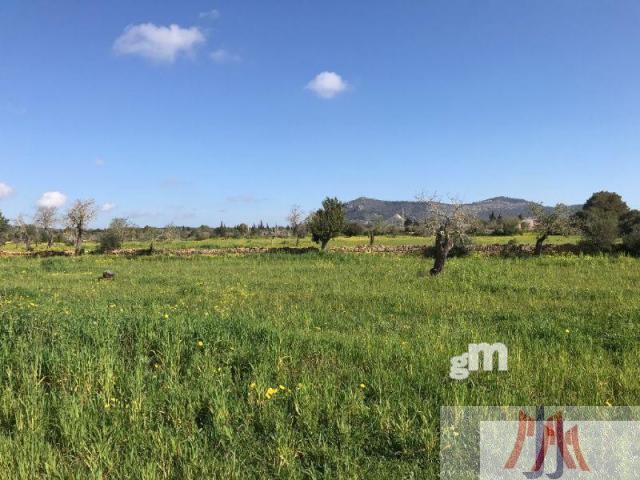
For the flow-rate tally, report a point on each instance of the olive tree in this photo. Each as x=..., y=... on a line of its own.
x=46, y=218
x=296, y=223
x=25, y=232
x=548, y=222
x=327, y=222
x=78, y=218
x=375, y=226
x=448, y=223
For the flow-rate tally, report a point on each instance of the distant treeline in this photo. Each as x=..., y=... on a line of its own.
x=604, y=222
x=18, y=232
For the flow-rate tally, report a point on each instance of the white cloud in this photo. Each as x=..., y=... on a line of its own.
x=107, y=207
x=211, y=14
x=224, y=56
x=327, y=85
x=5, y=190
x=158, y=43
x=99, y=162
x=52, y=199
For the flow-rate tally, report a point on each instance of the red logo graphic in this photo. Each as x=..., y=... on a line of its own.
x=548, y=432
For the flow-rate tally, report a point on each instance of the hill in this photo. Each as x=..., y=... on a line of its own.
x=364, y=209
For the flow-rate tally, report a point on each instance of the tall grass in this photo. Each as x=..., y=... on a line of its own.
x=275, y=366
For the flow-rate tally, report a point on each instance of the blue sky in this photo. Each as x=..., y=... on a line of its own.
x=228, y=116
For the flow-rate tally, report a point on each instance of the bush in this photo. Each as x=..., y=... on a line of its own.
x=201, y=234
x=600, y=230
x=462, y=246
x=353, y=229
x=512, y=249
x=508, y=226
x=110, y=241
x=632, y=241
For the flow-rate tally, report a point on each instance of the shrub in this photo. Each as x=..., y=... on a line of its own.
x=632, y=241
x=462, y=246
x=600, y=230
x=201, y=233
x=353, y=229
x=512, y=249
x=510, y=226
x=109, y=241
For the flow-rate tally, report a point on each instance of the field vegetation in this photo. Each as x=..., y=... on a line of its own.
x=291, y=366
x=292, y=242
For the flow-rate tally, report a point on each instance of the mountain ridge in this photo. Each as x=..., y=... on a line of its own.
x=365, y=209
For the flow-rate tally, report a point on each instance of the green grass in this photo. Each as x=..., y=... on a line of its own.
x=106, y=379
x=391, y=240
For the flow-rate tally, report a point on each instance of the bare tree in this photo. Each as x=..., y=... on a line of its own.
x=170, y=232
x=296, y=223
x=78, y=218
x=548, y=222
x=448, y=223
x=46, y=218
x=122, y=227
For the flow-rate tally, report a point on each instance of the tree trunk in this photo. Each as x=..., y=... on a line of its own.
x=78, y=240
x=372, y=238
x=539, y=241
x=49, y=239
x=442, y=246
x=323, y=244
x=297, y=240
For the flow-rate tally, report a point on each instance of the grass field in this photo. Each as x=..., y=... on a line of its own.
x=525, y=239
x=305, y=366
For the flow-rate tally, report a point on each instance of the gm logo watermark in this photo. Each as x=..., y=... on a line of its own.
x=469, y=361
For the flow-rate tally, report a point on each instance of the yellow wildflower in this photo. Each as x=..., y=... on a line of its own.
x=200, y=344
x=270, y=392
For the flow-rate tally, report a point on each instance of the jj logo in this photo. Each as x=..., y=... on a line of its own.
x=469, y=361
